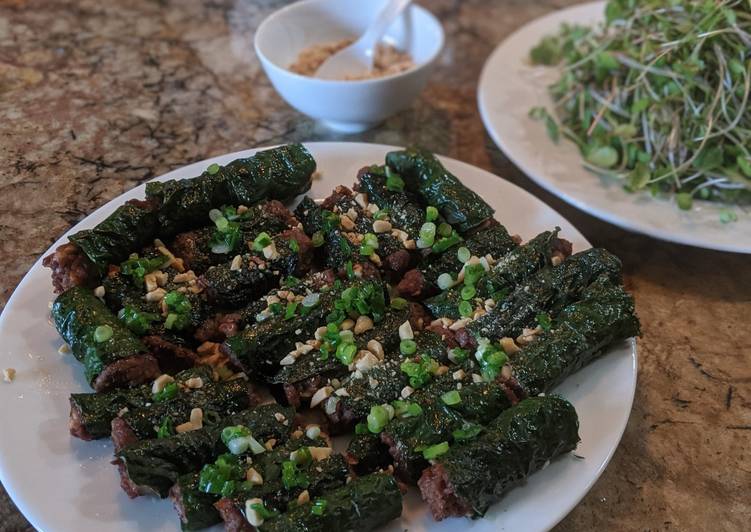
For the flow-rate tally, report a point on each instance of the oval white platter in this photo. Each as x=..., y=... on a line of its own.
x=64, y=484
x=510, y=86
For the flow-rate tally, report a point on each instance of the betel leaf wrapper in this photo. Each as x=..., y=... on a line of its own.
x=153, y=466
x=215, y=399
x=131, y=227
x=366, y=453
x=509, y=270
x=424, y=175
x=310, y=365
x=580, y=333
x=549, y=290
x=473, y=476
x=91, y=414
x=195, y=246
x=405, y=211
x=77, y=313
x=278, y=173
x=479, y=403
x=364, y=504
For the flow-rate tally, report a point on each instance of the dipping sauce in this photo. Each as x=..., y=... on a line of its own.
x=388, y=60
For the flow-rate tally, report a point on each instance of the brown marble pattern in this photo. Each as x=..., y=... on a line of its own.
x=96, y=97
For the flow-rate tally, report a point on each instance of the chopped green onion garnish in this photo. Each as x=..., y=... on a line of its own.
x=467, y=432
x=166, y=428
x=292, y=477
x=263, y=512
x=406, y=409
x=317, y=239
x=465, y=309
x=215, y=214
x=361, y=428
x=294, y=245
x=235, y=431
x=346, y=353
x=451, y=398
x=318, y=507
x=377, y=419
x=434, y=451
x=261, y=241
x=431, y=214
x=102, y=333
x=445, y=281
x=366, y=251
x=458, y=354
x=427, y=233
x=468, y=292
x=473, y=273
x=212, y=169
x=445, y=230
x=167, y=393
x=302, y=456
x=463, y=254
x=289, y=312
x=222, y=224
x=370, y=240
x=394, y=183
x=350, y=270
x=407, y=347
x=419, y=370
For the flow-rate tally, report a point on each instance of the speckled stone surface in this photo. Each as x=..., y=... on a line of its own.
x=96, y=97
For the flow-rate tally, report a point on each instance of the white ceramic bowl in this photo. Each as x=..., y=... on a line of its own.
x=344, y=105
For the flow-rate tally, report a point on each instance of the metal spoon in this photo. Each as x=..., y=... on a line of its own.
x=358, y=56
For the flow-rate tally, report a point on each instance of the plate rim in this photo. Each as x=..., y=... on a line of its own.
x=610, y=216
x=37, y=518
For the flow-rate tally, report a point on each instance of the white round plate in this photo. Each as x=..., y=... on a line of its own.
x=64, y=484
x=510, y=86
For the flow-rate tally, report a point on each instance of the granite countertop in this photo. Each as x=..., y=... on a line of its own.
x=96, y=97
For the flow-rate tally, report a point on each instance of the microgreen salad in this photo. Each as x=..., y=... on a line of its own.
x=657, y=97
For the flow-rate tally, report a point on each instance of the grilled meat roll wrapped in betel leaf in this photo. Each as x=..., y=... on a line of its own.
x=578, y=335
x=112, y=356
x=546, y=291
x=468, y=478
x=313, y=370
x=448, y=413
x=240, y=281
x=508, y=271
x=153, y=466
x=423, y=280
x=271, y=476
x=278, y=173
x=83, y=260
x=364, y=504
x=91, y=414
x=199, y=248
x=285, y=484
x=215, y=399
x=424, y=175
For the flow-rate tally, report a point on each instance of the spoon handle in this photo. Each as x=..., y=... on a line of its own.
x=385, y=18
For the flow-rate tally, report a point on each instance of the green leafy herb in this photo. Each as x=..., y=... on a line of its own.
x=419, y=370
x=137, y=321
